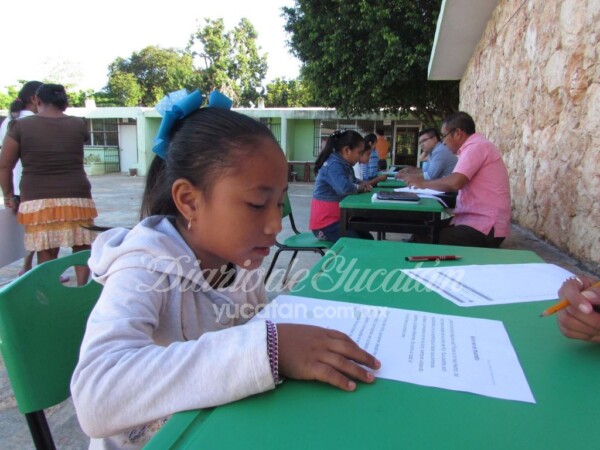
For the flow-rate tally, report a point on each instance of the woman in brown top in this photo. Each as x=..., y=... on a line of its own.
x=55, y=192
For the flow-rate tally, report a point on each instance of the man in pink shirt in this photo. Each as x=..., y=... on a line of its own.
x=482, y=214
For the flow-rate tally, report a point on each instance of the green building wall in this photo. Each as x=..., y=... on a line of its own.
x=294, y=127
x=301, y=138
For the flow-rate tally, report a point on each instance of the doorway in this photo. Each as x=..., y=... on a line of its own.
x=406, y=145
x=128, y=146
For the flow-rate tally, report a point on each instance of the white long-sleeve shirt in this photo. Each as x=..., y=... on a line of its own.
x=18, y=170
x=160, y=340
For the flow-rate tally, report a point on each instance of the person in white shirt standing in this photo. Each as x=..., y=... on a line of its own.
x=24, y=105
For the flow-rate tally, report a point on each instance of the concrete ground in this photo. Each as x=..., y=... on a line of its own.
x=117, y=198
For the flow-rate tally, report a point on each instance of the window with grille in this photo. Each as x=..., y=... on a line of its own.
x=275, y=127
x=324, y=128
x=103, y=132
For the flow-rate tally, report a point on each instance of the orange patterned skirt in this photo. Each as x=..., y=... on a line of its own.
x=56, y=222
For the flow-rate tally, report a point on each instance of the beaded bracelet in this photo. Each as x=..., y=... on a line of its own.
x=273, y=351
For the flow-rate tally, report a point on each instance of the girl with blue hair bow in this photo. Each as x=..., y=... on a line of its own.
x=170, y=331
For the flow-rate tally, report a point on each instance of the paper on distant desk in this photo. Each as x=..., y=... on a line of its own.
x=449, y=352
x=419, y=191
x=424, y=193
x=493, y=284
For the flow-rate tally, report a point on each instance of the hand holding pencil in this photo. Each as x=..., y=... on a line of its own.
x=574, y=291
x=582, y=320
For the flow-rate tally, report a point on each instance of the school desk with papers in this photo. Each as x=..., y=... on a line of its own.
x=561, y=374
x=360, y=212
x=438, y=350
x=440, y=196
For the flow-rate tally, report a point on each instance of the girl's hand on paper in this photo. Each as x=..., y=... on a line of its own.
x=580, y=320
x=313, y=353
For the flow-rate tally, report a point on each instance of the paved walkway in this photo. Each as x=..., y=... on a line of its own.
x=118, y=199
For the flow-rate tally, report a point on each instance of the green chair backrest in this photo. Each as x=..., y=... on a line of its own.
x=42, y=323
x=287, y=206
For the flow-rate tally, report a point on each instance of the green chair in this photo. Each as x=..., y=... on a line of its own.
x=42, y=323
x=298, y=242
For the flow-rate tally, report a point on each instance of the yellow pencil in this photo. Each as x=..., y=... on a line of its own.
x=562, y=304
x=555, y=308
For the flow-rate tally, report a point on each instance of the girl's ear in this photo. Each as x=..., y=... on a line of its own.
x=186, y=197
x=34, y=103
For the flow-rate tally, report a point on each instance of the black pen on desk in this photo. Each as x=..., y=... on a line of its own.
x=432, y=258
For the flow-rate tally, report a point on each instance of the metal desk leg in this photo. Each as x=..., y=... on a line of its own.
x=343, y=221
x=437, y=224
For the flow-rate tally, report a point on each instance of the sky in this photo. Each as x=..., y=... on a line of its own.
x=80, y=38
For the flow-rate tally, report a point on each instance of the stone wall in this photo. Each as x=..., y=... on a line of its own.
x=533, y=87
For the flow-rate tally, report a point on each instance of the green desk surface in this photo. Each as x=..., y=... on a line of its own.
x=562, y=373
x=391, y=184
x=363, y=201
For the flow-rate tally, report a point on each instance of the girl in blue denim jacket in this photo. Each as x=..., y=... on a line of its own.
x=335, y=180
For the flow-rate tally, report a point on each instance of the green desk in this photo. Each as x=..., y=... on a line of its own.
x=448, y=197
x=391, y=184
x=563, y=376
x=358, y=212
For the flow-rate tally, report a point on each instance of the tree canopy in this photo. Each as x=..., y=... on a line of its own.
x=214, y=58
x=282, y=93
x=7, y=99
x=365, y=56
x=146, y=76
x=229, y=61
x=124, y=89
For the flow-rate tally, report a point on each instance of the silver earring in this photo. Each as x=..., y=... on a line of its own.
x=189, y=227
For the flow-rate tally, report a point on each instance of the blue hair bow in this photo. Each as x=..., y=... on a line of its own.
x=178, y=105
